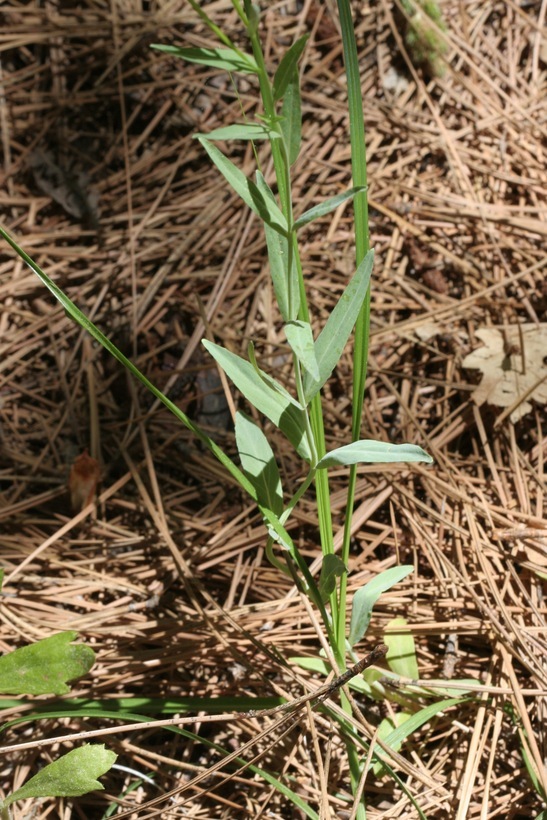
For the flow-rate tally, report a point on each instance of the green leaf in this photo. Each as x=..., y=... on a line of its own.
x=259, y=462
x=300, y=339
x=412, y=723
x=401, y=655
x=281, y=534
x=333, y=337
x=331, y=569
x=291, y=119
x=262, y=206
x=43, y=668
x=72, y=775
x=242, y=131
x=226, y=59
x=327, y=207
x=386, y=727
x=280, y=256
x=365, y=598
x=287, y=67
x=264, y=393
x=374, y=452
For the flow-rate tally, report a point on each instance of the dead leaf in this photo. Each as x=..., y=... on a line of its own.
x=71, y=189
x=82, y=484
x=514, y=366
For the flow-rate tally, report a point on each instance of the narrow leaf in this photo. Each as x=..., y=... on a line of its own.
x=71, y=775
x=81, y=319
x=401, y=656
x=278, y=255
x=335, y=334
x=300, y=339
x=327, y=207
x=331, y=569
x=365, y=598
x=267, y=210
x=374, y=452
x=274, y=402
x=397, y=736
x=242, y=131
x=259, y=462
x=281, y=259
x=45, y=667
x=226, y=59
x=288, y=67
x=291, y=122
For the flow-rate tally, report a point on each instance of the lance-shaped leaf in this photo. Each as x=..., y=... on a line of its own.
x=300, y=339
x=287, y=67
x=278, y=257
x=258, y=462
x=332, y=568
x=291, y=118
x=333, y=337
x=365, y=598
x=225, y=59
x=267, y=210
x=273, y=401
x=285, y=281
x=327, y=207
x=368, y=451
x=242, y=131
x=72, y=775
x=45, y=667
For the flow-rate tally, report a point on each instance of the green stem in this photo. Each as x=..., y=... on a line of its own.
x=362, y=244
x=362, y=328
x=283, y=183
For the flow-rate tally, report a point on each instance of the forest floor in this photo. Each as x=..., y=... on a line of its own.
x=166, y=575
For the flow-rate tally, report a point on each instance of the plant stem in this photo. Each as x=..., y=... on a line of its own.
x=362, y=243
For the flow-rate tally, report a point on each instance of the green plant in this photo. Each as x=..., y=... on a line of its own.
x=44, y=668
x=426, y=45
x=298, y=414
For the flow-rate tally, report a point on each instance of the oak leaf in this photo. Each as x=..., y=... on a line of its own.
x=513, y=361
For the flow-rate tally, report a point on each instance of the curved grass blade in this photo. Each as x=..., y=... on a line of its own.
x=225, y=59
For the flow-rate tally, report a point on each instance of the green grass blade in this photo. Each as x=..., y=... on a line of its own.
x=225, y=59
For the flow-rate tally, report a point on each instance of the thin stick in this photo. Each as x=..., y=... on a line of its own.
x=323, y=692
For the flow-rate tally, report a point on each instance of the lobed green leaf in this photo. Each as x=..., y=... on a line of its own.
x=71, y=775
x=45, y=667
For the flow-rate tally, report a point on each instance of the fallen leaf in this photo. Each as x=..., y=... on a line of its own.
x=82, y=484
x=514, y=366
